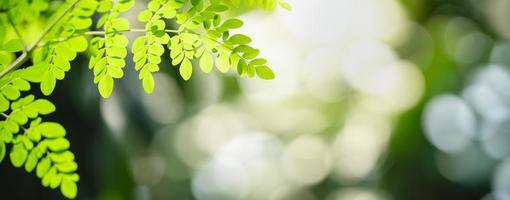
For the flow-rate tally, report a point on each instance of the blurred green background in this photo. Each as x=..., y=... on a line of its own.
x=373, y=100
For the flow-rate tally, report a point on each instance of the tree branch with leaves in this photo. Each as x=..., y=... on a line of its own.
x=203, y=35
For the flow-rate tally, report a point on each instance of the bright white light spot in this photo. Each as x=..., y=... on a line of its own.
x=449, y=123
x=356, y=194
x=307, y=160
x=201, y=136
x=339, y=22
x=165, y=105
x=321, y=74
x=497, y=78
x=283, y=53
x=485, y=101
x=285, y=118
x=244, y=167
x=113, y=113
x=364, y=66
x=284, y=59
x=358, y=146
x=501, y=181
x=403, y=88
x=500, y=52
x=221, y=179
x=495, y=136
x=471, y=165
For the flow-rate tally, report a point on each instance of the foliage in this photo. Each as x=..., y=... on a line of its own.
x=266, y=4
x=203, y=39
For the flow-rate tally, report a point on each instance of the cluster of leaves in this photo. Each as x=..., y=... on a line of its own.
x=52, y=59
x=37, y=145
x=203, y=39
x=109, y=52
x=266, y=4
x=148, y=49
x=7, y=48
x=24, y=10
x=205, y=36
x=34, y=144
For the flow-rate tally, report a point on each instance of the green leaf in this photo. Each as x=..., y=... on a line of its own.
x=258, y=61
x=67, y=167
x=222, y=63
x=62, y=156
x=285, y=5
x=153, y=6
x=48, y=83
x=125, y=5
x=18, y=155
x=104, y=6
x=33, y=74
x=186, y=69
x=235, y=2
x=13, y=45
x=81, y=23
x=46, y=180
x=31, y=162
x=58, y=144
x=106, y=86
x=232, y=24
x=138, y=45
x=168, y=12
x=55, y=181
x=264, y=72
x=4, y=104
x=21, y=84
x=148, y=83
x=43, y=167
x=195, y=2
x=2, y=151
x=10, y=92
x=78, y=44
x=206, y=62
x=240, y=39
x=144, y=16
x=43, y=106
x=68, y=188
x=217, y=8
x=120, y=24
x=51, y=130
x=34, y=135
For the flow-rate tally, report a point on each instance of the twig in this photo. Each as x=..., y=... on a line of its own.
x=24, y=56
x=130, y=30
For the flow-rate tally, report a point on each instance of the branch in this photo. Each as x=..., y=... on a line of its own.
x=130, y=30
x=24, y=56
x=97, y=33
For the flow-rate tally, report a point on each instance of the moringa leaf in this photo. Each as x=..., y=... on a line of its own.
x=264, y=72
x=69, y=188
x=2, y=151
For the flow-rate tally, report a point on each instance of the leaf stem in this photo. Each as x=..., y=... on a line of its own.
x=130, y=30
x=96, y=33
x=5, y=115
x=24, y=56
x=25, y=130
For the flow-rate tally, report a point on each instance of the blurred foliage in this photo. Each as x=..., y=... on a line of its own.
x=136, y=147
